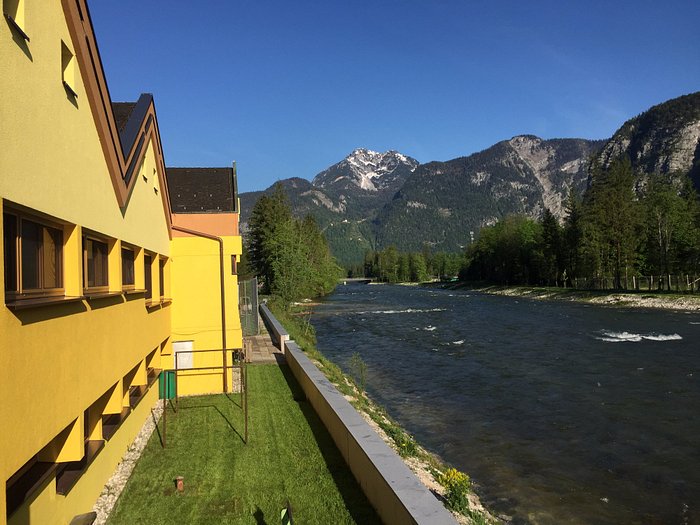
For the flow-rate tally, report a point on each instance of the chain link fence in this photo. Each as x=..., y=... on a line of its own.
x=248, y=304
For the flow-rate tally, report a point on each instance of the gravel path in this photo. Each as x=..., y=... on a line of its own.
x=113, y=488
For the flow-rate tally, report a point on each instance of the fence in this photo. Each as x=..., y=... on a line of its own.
x=248, y=303
x=641, y=283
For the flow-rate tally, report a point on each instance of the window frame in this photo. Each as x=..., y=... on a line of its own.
x=132, y=285
x=97, y=288
x=148, y=275
x=20, y=291
x=162, y=261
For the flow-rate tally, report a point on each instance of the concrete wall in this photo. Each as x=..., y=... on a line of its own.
x=277, y=332
x=392, y=489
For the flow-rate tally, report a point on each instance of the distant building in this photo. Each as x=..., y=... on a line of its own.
x=99, y=280
x=205, y=201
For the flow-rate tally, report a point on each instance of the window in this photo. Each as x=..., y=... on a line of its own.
x=147, y=261
x=161, y=277
x=68, y=68
x=128, y=278
x=9, y=236
x=234, y=265
x=95, y=275
x=14, y=13
x=33, y=256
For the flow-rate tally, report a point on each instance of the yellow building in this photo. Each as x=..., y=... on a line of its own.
x=206, y=248
x=93, y=269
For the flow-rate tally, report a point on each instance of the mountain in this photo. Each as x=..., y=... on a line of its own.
x=344, y=197
x=663, y=139
x=371, y=200
x=367, y=171
x=442, y=202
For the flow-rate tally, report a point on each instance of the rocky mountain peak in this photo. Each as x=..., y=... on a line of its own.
x=663, y=139
x=367, y=170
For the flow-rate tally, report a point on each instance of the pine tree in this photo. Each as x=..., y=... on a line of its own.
x=551, y=247
x=613, y=233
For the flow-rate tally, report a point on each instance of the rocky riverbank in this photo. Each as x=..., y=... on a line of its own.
x=666, y=301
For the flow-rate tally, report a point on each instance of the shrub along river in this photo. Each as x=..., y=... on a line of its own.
x=560, y=412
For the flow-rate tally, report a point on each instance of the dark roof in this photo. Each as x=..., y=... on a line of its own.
x=122, y=112
x=202, y=190
x=129, y=117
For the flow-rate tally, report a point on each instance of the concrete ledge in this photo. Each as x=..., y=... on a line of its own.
x=277, y=332
x=392, y=489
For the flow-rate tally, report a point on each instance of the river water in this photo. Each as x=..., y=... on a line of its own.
x=560, y=412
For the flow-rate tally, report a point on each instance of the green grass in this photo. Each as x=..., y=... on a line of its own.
x=289, y=456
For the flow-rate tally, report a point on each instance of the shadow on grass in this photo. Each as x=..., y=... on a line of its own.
x=259, y=516
x=157, y=430
x=223, y=416
x=355, y=500
x=230, y=397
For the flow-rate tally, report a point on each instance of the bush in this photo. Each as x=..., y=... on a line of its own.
x=458, y=486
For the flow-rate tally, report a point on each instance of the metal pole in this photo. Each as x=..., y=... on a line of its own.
x=165, y=410
x=244, y=388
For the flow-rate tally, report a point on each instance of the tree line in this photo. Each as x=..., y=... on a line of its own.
x=392, y=266
x=290, y=256
x=623, y=226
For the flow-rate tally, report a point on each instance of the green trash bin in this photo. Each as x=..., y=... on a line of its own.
x=166, y=385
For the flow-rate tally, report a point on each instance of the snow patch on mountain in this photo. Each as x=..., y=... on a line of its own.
x=368, y=170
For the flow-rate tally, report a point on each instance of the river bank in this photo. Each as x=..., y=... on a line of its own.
x=665, y=301
x=427, y=466
x=561, y=412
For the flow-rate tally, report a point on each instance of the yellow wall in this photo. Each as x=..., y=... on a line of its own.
x=56, y=361
x=50, y=144
x=196, y=312
x=49, y=507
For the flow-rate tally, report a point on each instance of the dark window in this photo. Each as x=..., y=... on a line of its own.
x=128, y=267
x=33, y=255
x=161, y=277
x=9, y=236
x=95, y=261
x=147, y=261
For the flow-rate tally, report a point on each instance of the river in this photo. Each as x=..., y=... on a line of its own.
x=560, y=412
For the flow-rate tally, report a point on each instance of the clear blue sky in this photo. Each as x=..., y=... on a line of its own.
x=287, y=88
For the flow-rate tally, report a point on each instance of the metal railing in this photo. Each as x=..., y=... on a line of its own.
x=238, y=362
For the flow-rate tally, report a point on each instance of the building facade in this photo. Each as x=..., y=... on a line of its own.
x=93, y=267
x=207, y=247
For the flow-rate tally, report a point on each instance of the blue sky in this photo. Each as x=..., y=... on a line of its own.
x=288, y=88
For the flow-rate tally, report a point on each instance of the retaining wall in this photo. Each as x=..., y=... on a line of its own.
x=393, y=490
x=277, y=332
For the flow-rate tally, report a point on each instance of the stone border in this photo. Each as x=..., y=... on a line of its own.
x=393, y=490
x=277, y=332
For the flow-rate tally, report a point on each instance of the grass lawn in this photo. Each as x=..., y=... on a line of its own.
x=289, y=456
